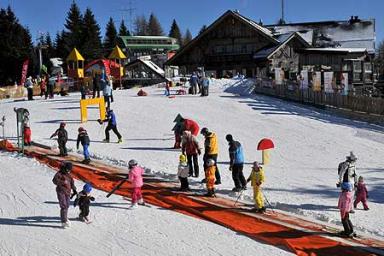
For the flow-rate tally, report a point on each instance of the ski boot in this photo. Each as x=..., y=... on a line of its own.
x=211, y=193
x=141, y=202
x=120, y=140
x=106, y=140
x=86, y=161
x=133, y=206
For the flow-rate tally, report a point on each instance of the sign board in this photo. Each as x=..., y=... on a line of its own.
x=328, y=79
x=316, y=81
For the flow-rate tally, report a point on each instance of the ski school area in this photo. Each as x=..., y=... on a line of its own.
x=299, y=189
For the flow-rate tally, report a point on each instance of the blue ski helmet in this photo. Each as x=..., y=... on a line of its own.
x=87, y=188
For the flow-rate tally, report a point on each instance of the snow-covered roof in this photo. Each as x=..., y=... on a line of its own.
x=345, y=34
x=339, y=49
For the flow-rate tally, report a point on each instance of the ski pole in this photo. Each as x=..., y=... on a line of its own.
x=238, y=197
x=266, y=199
x=117, y=187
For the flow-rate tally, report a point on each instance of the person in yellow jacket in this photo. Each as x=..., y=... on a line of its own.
x=257, y=178
x=210, y=170
x=211, y=150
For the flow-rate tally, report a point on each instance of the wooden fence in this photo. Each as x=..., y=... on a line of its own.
x=291, y=91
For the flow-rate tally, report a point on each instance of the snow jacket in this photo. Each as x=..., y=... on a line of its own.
x=83, y=199
x=194, y=79
x=64, y=183
x=257, y=177
x=111, y=118
x=205, y=82
x=189, y=144
x=345, y=203
x=135, y=176
x=362, y=191
x=62, y=135
x=210, y=144
x=236, y=154
x=183, y=170
x=192, y=126
x=347, y=172
x=83, y=138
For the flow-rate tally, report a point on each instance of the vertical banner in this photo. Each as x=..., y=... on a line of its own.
x=316, y=80
x=328, y=79
x=304, y=79
x=24, y=71
x=344, y=84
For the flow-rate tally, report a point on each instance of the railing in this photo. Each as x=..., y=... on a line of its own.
x=291, y=90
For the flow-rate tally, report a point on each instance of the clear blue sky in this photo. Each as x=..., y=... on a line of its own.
x=49, y=15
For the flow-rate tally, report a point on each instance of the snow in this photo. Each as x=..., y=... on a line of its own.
x=301, y=178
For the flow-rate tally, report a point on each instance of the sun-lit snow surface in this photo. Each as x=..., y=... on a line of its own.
x=300, y=178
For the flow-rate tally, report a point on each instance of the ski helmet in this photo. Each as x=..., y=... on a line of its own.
x=66, y=166
x=81, y=129
x=132, y=163
x=62, y=124
x=182, y=158
x=204, y=131
x=210, y=162
x=87, y=188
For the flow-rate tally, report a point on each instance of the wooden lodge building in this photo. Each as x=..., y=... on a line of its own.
x=236, y=44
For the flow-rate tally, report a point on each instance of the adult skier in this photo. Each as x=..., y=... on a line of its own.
x=236, y=163
x=211, y=150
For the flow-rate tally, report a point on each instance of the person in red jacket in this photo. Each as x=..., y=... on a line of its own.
x=190, y=147
x=190, y=125
x=27, y=135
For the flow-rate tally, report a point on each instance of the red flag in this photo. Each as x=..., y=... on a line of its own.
x=24, y=71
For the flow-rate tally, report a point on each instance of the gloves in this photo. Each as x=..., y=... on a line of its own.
x=91, y=198
x=248, y=180
x=230, y=168
x=73, y=194
x=99, y=121
x=337, y=185
x=199, y=151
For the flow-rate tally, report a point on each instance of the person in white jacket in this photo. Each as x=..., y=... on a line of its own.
x=107, y=92
x=183, y=173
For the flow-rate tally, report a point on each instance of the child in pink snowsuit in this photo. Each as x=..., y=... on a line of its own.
x=361, y=194
x=135, y=176
x=345, y=206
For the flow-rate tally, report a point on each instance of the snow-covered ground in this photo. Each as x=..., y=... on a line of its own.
x=301, y=177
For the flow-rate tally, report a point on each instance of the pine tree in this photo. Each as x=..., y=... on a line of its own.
x=15, y=47
x=154, y=27
x=175, y=32
x=111, y=38
x=48, y=51
x=123, y=31
x=60, y=50
x=187, y=37
x=203, y=28
x=91, y=47
x=74, y=26
x=141, y=26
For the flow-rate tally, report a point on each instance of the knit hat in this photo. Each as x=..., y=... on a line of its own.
x=229, y=137
x=351, y=156
x=182, y=158
x=87, y=188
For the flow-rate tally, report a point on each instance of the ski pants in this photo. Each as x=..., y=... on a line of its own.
x=217, y=173
x=184, y=183
x=84, y=210
x=193, y=169
x=114, y=129
x=64, y=205
x=361, y=198
x=238, y=176
x=86, y=152
x=210, y=178
x=347, y=224
x=177, y=141
x=62, y=147
x=30, y=93
x=258, y=197
x=136, y=195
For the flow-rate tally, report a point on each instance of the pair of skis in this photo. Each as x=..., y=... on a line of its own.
x=117, y=187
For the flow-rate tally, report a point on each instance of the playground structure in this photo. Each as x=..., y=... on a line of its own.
x=87, y=102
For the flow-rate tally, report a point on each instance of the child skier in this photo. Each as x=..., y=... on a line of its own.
x=84, y=139
x=62, y=138
x=112, y=125
x=210, y=170
x=135, y=176
x=361, y=194
x=64, y=183
x=83, y=200
x=344, y=205
x=257, y=178
x=183, y=173
x=27, y=134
